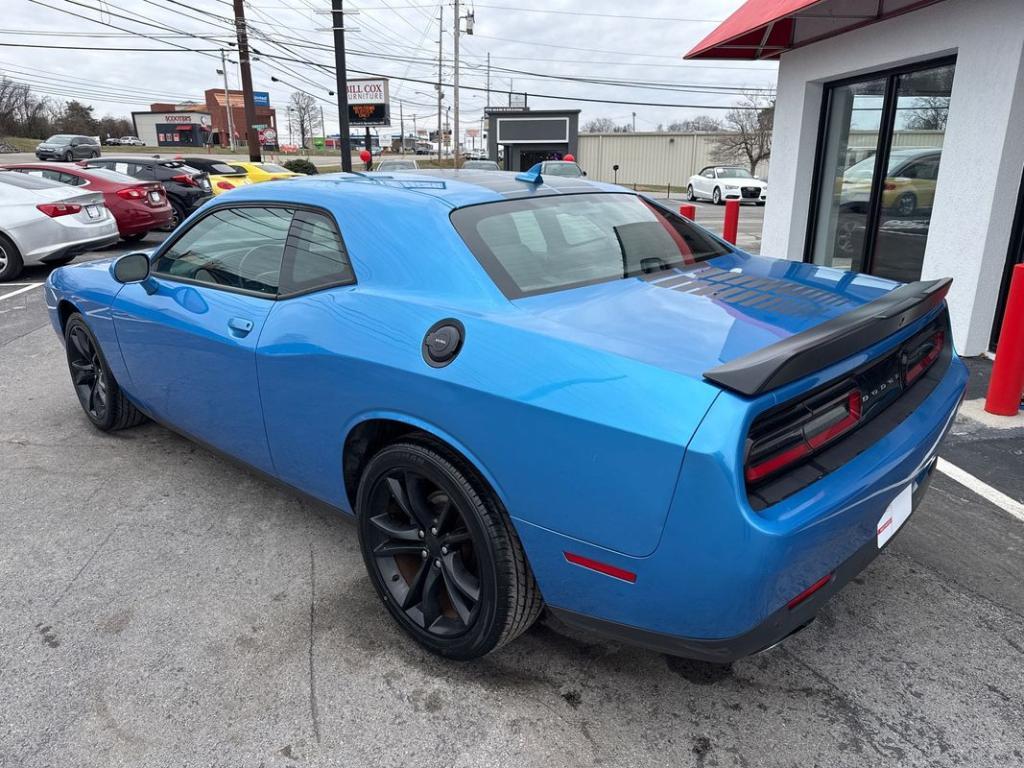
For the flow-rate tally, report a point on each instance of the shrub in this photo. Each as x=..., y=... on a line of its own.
x=300, y=166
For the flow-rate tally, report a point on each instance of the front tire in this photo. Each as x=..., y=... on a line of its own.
x=98, y=392
x=69, y=157
x=690, y=197
x=906, y=204
x=441, y=551
x=716, y=196
x=11, y=263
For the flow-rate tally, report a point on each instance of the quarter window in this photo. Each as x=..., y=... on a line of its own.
x=236, y=248
x=315, y=256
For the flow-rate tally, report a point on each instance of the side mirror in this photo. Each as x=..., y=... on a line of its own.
x=584, y=173
x=131, y=268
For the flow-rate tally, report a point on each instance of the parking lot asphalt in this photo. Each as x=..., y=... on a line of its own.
x=164, y=607
x=711, y=216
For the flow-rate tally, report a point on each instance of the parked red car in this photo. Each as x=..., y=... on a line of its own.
x=137, y=206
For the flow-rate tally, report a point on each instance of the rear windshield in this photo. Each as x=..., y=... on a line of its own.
x=562, y=169
x=220, y=168
x=109, y=175
x=271, y=168
x=557, y=242
x=25, y=181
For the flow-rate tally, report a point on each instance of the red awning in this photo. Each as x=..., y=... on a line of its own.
x=763, y=29
x=183, y=128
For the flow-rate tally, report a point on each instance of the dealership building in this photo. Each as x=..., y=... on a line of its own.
x=898, y=146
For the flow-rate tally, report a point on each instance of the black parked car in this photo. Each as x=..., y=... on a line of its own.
x=68, y=147
x=187, y=187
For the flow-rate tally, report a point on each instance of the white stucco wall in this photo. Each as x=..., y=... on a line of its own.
x=983, y=154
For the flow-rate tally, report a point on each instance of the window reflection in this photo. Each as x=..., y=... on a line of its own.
x=916, y=110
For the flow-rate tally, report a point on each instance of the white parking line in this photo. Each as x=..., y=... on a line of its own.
x=28, y=287
x=983, y=489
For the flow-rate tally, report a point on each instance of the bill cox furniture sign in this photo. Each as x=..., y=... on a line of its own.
x=368, y=102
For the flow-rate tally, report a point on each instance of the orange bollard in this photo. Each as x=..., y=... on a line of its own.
x=1007, y=385
x=732, y=221
x=688, y=212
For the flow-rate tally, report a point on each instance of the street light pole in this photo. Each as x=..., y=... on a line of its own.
x=401, y=127
x=440, y=93
x=243, y=61
x=227, y=100
x=338, y=23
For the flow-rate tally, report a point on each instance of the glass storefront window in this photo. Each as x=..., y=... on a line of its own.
x=878, y=166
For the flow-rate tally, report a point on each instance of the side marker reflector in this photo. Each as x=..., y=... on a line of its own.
x=809, y=591
x=595, y=565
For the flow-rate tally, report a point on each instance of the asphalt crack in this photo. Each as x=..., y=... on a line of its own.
x=314, y=714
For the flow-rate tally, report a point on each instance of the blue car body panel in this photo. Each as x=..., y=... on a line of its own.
x=585, y=409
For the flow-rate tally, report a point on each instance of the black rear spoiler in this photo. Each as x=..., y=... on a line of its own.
x=804, y=353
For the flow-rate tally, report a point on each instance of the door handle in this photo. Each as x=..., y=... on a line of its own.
x=239, y=326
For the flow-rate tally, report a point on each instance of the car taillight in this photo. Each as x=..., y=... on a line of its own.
x=809, y=428
x=131, y=193
x=225, y=185
x=53, y=210
x=923, y=358
x=184, y=178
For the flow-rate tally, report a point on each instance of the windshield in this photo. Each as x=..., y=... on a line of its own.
x=734, y=173
x=59, y=139
x=557, y=242
x=272, y=168
x=397, y=165
x=562, y=169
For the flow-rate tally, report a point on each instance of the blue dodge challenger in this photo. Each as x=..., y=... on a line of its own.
x=534, y=393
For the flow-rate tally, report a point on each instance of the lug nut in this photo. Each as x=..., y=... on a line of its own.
x=437, y=563
x=444, y=550
x=423, y=554
x=421, y=534
x=433, y=531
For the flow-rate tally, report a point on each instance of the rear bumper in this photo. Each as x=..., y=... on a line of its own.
x=781, y=624
x=77, y=248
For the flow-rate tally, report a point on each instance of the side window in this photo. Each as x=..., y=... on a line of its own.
x=68, y=178
x=141, y=171
x=238, y=248
x=122, y=167
x=315, y=256
x=709, y=174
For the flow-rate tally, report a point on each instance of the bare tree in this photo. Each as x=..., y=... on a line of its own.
x=698, y=124
x=748, y=136
x=304, y=112
x=929, y=113
x=600, y=125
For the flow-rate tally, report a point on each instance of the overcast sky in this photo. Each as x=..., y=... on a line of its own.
x=591, y=39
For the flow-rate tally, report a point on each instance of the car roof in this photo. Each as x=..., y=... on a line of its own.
x=142, y=159
x=451, y=188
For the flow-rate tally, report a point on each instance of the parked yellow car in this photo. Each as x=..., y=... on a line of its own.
x=909, y=184
x=223, y=177
x=258, y=172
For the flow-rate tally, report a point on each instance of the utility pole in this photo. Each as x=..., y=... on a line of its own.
x=401, y=127
x=338, y=24
x=227, y=100
x=488, y=78
x=440, y=93
x=243, y=61
x=323, y=126
x=634, y=122
x=457, y=29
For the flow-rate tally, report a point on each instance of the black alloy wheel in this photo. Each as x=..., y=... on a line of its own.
x=98, y=392
x=442, y=553
x=88, y=374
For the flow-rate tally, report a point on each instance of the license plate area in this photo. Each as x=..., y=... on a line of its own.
x=896, y=515
x=154, y=197
x=93, y=211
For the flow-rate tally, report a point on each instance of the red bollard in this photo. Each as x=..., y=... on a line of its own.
x=1007, y=385
x=688, y=212
x=732, y=220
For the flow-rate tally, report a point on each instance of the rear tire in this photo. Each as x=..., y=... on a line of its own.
x=10, y=260
x=176, y=219
x=134, y=238
x=98, y=393
x=441, y=551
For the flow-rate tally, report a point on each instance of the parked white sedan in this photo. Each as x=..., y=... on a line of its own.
x=45, y=222
x=719, y=183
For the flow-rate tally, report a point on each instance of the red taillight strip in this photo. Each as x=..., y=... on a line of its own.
x=810, y=443
x=809, y=591
x=926, y=362
x=595, y=565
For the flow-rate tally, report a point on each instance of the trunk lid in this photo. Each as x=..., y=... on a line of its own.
x=695, y=319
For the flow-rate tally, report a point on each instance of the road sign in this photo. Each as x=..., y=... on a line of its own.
x=268, y=136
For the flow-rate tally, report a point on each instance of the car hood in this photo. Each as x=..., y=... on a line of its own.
x=692, y=320
x=761, y=183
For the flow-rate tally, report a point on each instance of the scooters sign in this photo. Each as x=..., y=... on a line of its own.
x=368, y=102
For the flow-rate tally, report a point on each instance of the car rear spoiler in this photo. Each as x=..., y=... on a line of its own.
x=816, y=348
